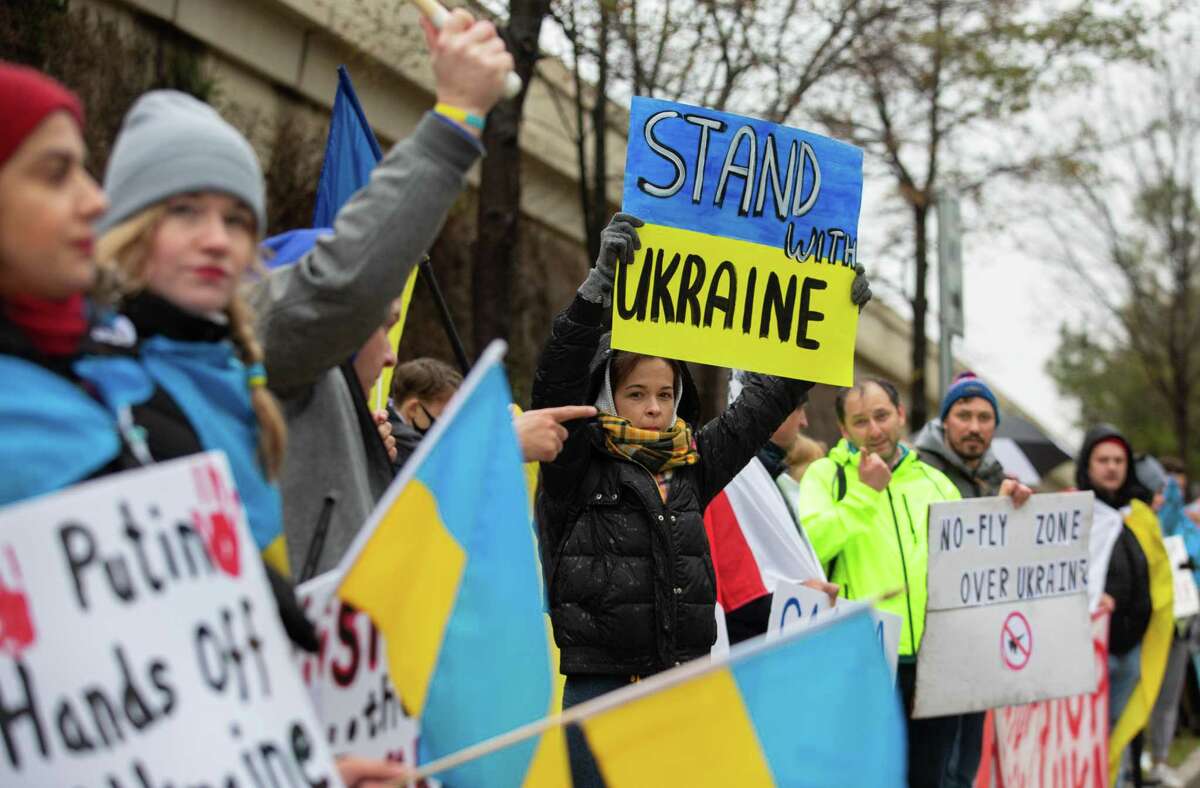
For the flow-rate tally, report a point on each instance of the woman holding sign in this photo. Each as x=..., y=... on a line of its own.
x=620, y=511
x=67, y=415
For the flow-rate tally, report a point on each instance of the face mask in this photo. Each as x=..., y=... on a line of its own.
x=432, y=420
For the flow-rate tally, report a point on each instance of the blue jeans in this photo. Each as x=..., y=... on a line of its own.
x=1123, y=674
x=580, y=688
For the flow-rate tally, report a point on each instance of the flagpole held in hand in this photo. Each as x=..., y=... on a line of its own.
x=436, y=13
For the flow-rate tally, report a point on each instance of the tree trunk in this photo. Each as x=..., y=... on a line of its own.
x=918, y=409
x=599, y=200
x=498, y=234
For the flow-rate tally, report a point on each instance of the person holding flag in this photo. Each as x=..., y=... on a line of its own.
x=315, y=314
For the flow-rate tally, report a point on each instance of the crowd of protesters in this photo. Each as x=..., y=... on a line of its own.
x=144, y=319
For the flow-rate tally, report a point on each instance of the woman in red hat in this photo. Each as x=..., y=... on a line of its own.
x=65, y=416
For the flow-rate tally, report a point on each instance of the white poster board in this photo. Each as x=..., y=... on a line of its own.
x=1060, y=742
x=1007, y=614
x=140, y=644
x=348, y=679
x=1187, y=601
x=796, y=606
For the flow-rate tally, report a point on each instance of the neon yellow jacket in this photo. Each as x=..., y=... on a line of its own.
x=873, y=542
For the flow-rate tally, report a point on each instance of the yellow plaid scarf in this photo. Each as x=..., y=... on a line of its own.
x=657, y=452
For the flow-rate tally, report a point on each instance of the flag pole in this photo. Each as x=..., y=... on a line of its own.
x=439, y=300
x=665, y=680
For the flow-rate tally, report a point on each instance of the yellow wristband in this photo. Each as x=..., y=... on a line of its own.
x=459, y=114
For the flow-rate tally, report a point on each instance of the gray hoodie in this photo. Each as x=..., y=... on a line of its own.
x=314, y=315
x=982, y=482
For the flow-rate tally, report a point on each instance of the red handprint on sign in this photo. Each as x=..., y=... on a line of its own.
x=215, y=521
x=16, y=625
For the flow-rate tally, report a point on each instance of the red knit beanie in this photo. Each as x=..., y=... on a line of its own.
x=27, y=96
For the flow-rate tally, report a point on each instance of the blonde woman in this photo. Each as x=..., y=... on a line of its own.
x=180, y=260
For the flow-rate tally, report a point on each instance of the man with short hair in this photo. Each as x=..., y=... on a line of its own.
x=865, y=509
x=959, y=444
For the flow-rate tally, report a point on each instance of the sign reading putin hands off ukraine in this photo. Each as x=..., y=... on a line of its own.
x=748, y=252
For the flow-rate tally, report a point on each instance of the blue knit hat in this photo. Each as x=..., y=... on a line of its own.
x=965, y=386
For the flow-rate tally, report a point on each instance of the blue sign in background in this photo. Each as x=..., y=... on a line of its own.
x=837, y=205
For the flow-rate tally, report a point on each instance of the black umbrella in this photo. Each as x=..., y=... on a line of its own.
x=1039, y=448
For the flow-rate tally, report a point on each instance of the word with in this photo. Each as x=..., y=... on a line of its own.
x=655, y=294
x=840, y=248
x=143, y=562
x=222, y=653
x=788, y=194
x=1058, y=527
x=94, y=719
x=990, y=531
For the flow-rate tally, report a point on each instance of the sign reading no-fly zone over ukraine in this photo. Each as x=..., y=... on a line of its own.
x=749, y=247
x=1007, y=616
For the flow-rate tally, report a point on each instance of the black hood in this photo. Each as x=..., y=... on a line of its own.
x=689, y=401
x=1131, y=489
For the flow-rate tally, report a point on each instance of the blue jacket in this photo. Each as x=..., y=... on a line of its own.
x=193, y=361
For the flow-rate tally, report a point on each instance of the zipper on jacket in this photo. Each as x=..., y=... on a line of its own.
x=673, y=614
x=912, y=634
x=912, y=529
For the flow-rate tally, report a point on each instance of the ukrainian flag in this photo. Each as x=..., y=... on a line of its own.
x=447, y=569
x=815, y=708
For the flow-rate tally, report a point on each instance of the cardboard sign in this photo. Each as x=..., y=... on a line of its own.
x=348, y=679
x=1187, y=601
x=1059, y=742
x=1007, y=613
x=749, y=247
x=141, y=645
x=796, y=606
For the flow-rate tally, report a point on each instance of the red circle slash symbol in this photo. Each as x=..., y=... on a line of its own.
x=1016, y=641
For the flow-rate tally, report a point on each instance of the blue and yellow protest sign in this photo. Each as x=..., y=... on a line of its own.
x=749, y=247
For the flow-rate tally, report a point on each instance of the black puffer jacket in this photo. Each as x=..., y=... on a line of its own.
x=1128, y=577
x=630, y=577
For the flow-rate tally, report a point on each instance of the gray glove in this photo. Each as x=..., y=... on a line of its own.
x=618, y=242
x=860, y=290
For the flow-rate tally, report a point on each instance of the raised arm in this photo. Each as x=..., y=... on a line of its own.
x=564, y=368
x=732, y=439
x=315, y=314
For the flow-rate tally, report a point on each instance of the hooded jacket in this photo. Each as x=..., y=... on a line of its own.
x=1128, y=578
x=629, y=576
x=873, y=541
x=981, y=482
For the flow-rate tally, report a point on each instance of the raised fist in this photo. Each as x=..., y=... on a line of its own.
x=874, y=472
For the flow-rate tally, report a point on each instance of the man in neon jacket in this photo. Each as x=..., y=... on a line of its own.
x=865, y=510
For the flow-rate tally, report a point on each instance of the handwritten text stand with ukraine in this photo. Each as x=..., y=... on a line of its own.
x=749, y=246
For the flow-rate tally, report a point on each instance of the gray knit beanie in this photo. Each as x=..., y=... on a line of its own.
x=170, y=143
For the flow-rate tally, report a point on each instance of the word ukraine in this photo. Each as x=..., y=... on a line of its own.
x=749, y=247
